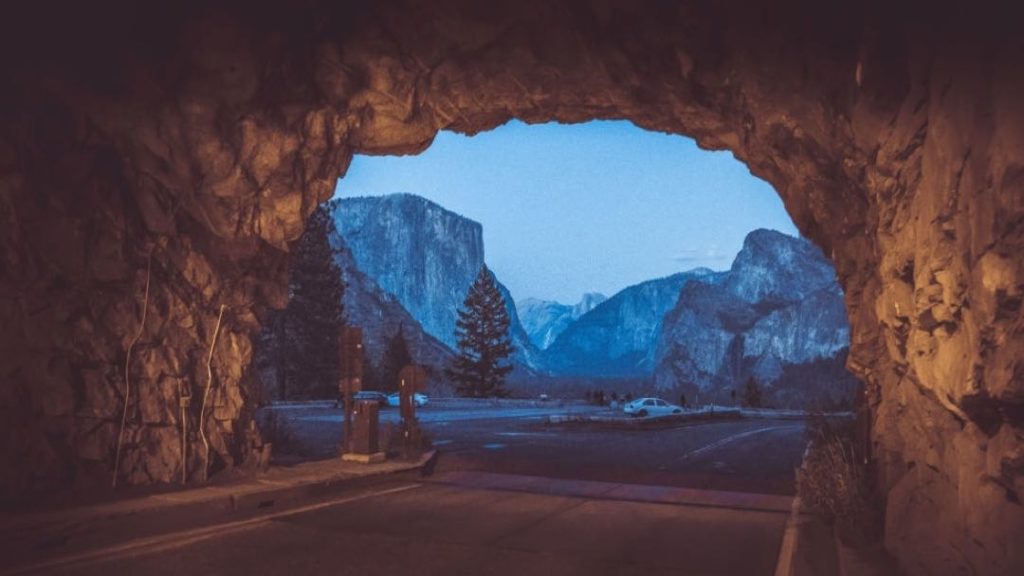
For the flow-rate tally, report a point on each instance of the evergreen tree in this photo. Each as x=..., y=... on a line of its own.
x=309, y=326
x=396, y=357
x=752, y=393
x=482, y=333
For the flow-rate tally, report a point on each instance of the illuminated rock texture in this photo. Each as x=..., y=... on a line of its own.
x=197, y=137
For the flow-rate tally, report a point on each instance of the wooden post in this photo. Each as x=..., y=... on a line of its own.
x=350, y=350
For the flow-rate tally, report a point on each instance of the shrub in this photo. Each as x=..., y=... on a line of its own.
x=835, y=480
x=274, y=429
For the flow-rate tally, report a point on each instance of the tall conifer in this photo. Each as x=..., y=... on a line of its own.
x=308, y=355
x=482, y=334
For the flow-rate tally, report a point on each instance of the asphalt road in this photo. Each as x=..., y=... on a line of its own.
x=740, y=455
x=512, y=494
x=755, y=455
x=428, y=528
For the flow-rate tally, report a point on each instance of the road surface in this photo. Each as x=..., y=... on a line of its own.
x=755, y=455
x=428, y=528
x=512, y=494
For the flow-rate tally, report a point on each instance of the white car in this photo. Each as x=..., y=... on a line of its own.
x=644, y=407
x=419, y=399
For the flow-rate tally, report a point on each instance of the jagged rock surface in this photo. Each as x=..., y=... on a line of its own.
x=203, y=135
x=544, y=320
x=773, y=316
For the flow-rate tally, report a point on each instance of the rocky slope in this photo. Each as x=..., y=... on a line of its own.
x=544, y=320
x=777, y=315
x=425, y=256
x=614, y=338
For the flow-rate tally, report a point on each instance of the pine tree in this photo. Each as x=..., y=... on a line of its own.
x=482, y=333
x=752, y=393
x=396, y=357
x=308, y=355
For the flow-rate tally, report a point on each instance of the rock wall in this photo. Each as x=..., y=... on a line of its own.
x=777, y=315
x=197, y=136
x=427, y=257
x=423, y=254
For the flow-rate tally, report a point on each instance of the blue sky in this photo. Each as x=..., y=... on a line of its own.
x=593, y=207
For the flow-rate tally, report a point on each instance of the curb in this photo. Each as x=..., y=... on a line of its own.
x=33, y=532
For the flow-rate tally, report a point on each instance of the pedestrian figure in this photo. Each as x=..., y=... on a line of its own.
x=682, y=400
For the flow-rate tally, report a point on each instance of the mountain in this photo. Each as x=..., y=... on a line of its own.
x=614, y=339
x=380, y=315
x=425, y=256
x=777, y=315
x=544, y=320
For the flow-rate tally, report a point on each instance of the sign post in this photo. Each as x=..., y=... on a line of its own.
x=350, y=352
x=411, y=379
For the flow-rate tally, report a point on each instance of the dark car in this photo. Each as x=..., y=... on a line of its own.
x=379, y=397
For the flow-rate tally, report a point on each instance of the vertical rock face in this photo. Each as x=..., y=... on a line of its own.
x=777, y=315
x=199, y=137
x=544, y=320
x=380, y=316
x=424, y=255
x=614, y=338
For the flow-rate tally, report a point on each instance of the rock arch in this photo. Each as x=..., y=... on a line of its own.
x=186, y=147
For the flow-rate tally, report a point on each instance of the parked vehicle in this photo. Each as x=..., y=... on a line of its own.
x=644, y=407
x=395, y=399
x=379, y=397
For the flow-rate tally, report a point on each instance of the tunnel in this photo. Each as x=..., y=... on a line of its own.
x=156, y=163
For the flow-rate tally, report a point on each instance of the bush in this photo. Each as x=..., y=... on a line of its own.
x=835, y=480
x=275, y=430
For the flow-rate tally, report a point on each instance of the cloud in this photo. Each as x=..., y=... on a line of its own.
x=692, y=255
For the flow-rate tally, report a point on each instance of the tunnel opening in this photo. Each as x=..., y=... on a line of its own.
x=639, y=216
x=189, y=165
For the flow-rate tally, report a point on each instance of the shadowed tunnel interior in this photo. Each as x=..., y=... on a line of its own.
x=154, y=167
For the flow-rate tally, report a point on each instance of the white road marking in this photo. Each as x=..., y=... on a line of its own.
x=525, y=434
x=494, y=446
x=442, y=442
x=164, y=542
x=731, y=439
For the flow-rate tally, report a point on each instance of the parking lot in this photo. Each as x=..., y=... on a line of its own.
x=751, y=455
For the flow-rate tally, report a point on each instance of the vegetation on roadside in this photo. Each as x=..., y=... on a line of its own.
x=836, y=481
x=274, y=429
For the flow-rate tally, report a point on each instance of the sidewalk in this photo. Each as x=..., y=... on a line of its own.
x=34, y=536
